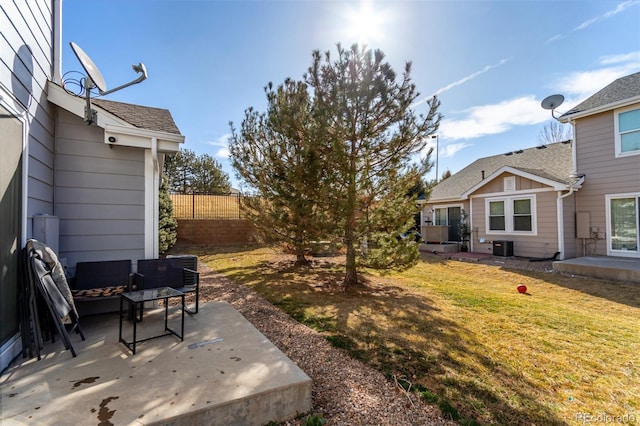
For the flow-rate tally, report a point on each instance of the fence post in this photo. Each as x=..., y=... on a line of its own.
x=193, y=205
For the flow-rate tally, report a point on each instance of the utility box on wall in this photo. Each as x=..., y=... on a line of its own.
x=583, y=225
x=46, y=229
x=503, y=248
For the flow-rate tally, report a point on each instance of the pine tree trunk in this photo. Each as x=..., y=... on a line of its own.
x=301, y=260
x=351, y=273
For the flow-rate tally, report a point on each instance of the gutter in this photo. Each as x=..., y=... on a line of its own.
x=57, y=42
x=567, y=117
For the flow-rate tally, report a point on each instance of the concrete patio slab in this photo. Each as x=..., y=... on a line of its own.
x=605, y=267
x=224, y=373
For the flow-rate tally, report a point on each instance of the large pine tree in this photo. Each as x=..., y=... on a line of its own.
x=277, y=153
x=365, y=119
x=335, y=156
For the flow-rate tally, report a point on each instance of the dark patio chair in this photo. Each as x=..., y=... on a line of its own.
x=58, y=306
x=97, y=286
x=167, y=272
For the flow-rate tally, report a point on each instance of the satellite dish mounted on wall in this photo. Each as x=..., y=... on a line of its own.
x=552, y=102
x=94, y=79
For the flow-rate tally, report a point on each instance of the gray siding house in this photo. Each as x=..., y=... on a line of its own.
x=91, y=192
x=525, y=197
x=607, y=152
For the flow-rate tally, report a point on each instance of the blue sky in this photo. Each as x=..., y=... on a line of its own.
x=490, y=62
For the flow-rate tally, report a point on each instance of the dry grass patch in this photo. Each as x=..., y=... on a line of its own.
x=462, y=336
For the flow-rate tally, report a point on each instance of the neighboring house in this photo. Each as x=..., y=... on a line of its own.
x=606, y=130
x=524, y=197
x=579, y=198
x=90, y=191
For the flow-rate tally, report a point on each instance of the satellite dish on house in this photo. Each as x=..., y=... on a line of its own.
x=552, y=102
x=94, y=79
x=90, y=68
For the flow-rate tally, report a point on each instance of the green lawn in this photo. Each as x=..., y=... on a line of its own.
x=461, y=335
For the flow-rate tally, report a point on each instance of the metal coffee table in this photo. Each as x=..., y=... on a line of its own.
x=136, y=300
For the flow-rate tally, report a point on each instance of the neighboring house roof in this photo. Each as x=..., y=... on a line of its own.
x=143, y=117
x=623, y=89
x=553, y=162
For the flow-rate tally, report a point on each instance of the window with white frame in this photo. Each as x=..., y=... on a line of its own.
x=627, y=128
x=440, y=216
x=511, y=214
x=624, y=224
x=496, y=216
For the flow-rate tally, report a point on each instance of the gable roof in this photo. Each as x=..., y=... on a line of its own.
x=611, y=96
x=143, y=117
x=552, y=162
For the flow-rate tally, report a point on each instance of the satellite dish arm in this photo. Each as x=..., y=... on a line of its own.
x=140, y=69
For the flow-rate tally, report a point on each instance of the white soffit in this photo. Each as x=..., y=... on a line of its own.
x=115, y=128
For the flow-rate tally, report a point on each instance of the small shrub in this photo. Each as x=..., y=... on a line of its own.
x=313, y=420
x=449, y=410
x=341, y=342
x=427, y=396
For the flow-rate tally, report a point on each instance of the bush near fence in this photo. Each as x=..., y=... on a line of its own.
x=207, y=206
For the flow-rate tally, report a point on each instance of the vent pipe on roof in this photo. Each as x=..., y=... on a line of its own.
x=482, y=171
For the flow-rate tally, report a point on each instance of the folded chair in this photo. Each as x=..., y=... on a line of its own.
x=167, y=272
x=57, y=304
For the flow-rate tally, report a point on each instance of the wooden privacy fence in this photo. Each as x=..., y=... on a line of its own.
x=207, y=206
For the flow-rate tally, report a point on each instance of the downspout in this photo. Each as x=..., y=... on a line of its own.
x=560, y=214
x=151, y=191
x=156, y=192
x=57, y=42
x=470, y=219
x=574, y=155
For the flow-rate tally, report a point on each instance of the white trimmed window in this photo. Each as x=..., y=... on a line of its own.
x=511, y=215
x=623, y=224
x=627, y=129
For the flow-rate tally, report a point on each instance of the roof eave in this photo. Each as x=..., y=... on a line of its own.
x=125, y=133
x=558, y=186
x=567, y=117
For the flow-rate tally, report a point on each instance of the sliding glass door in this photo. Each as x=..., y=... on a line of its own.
x=624, y=233
x=10, y=223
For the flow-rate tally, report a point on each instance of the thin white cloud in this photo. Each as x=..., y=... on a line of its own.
x=449, y=150
x=525, y=110
x=470, y=77
x=223, y=146
x=579, y=85
x=633, y=57
x=223, y=153
x=493, y=119
x=554, y=38
x=463, y=80
x=620, y=7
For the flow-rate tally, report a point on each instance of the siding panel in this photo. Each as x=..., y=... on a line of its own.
x=99, y=194
x=544, y=244
x=604, y=174
x=25, y=66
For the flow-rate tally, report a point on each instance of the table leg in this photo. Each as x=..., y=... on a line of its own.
x=182, y=327
x=166, y=313
x=135, y=323
x=120, y=329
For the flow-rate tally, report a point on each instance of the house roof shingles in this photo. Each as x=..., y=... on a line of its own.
x=623, y=88
x=143, y=117
x=553, y=162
